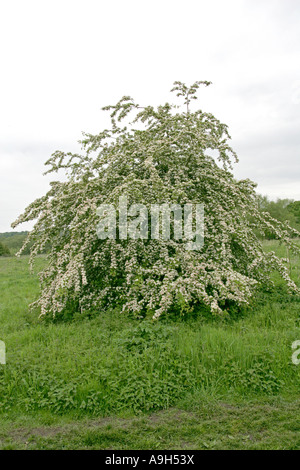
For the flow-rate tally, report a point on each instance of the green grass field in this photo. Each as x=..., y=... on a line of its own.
x=112, y=382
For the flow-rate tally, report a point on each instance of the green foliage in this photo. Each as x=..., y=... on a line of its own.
x=294, y=208
x=284, y=210
x=113, y=364
x=222, y=383
x=202, y=424
x=144, y=372
x=4, y=250
x=14, y=241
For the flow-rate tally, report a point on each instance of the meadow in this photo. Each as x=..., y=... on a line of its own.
x=110, y=381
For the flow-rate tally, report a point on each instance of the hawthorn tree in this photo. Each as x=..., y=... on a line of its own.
x=164, y=155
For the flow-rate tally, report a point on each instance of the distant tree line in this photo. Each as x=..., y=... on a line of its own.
x=12, y=242
x=4, y=250
x=284, y=210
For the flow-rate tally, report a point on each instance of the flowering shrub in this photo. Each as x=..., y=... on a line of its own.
x=163, y=156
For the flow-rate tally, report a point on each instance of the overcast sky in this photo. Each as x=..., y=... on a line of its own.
x=61, y=61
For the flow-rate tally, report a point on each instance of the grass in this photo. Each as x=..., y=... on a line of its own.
x=262, y=424
x=115, y=383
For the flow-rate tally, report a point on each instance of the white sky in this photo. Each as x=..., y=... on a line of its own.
x=61, y=61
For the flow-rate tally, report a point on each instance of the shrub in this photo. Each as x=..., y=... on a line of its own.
x=163, y=156
x=4, y=250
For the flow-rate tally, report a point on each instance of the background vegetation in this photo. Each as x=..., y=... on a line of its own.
x=4, y=250
x=14, y=241
x=283, y=210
